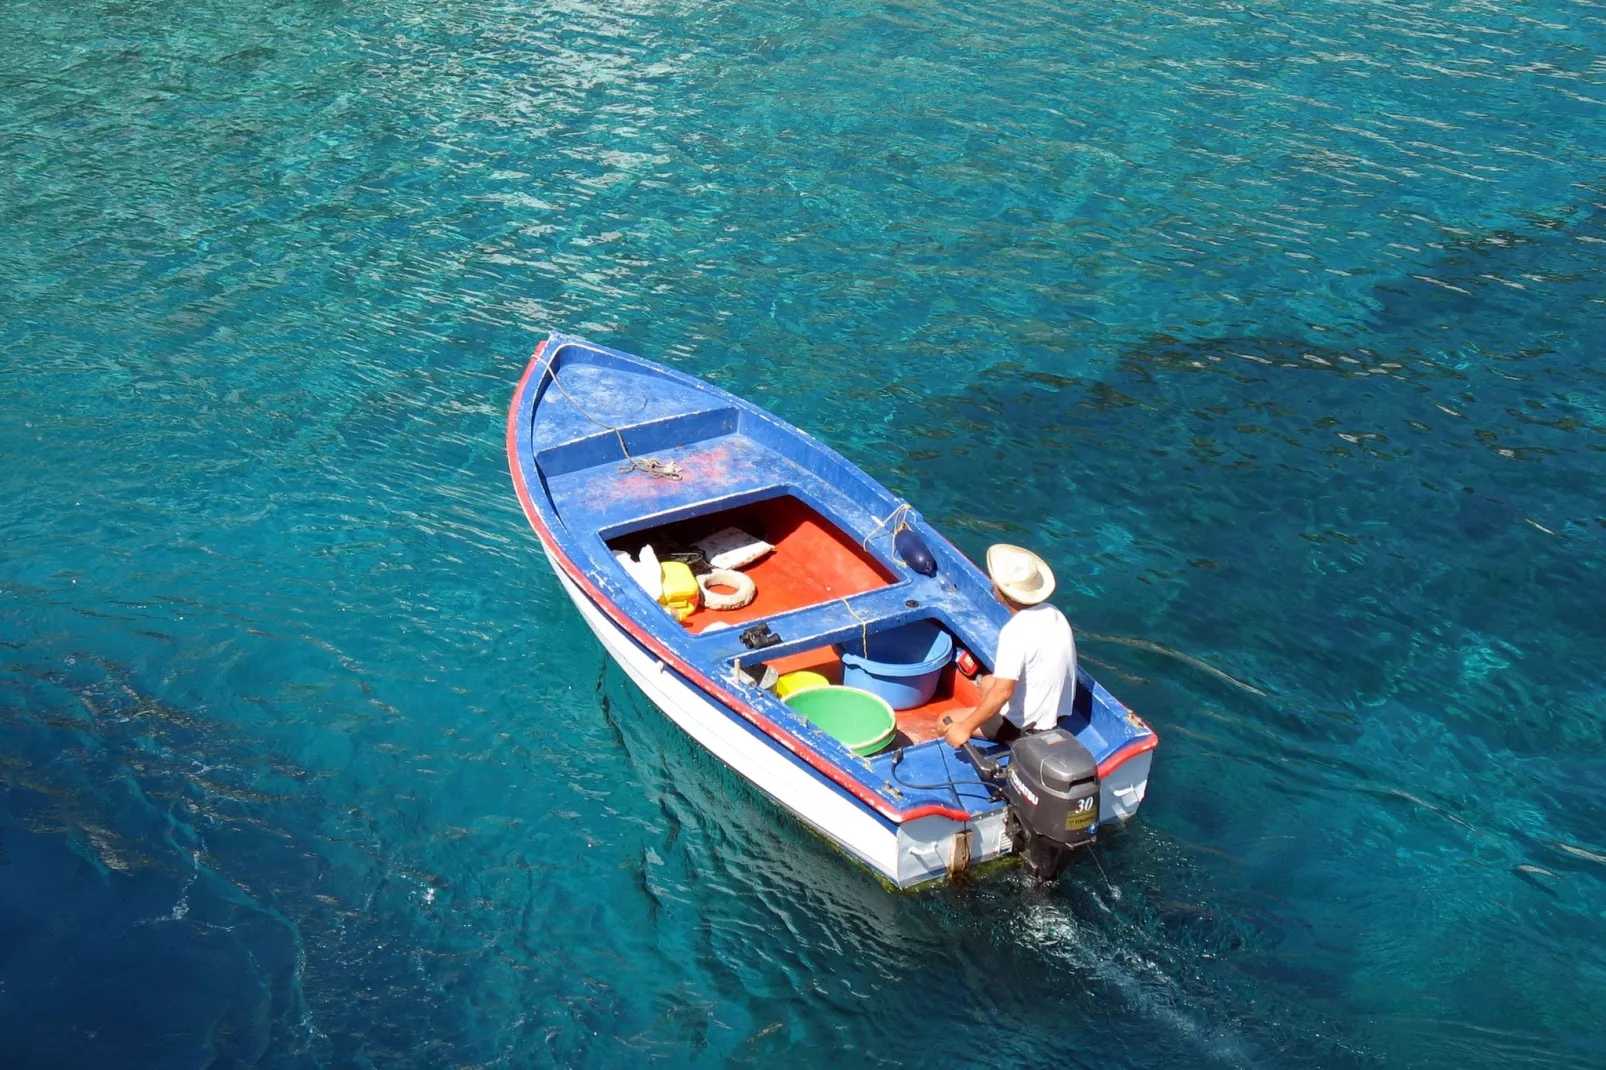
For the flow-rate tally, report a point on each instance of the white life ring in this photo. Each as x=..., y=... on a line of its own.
x=743, y=589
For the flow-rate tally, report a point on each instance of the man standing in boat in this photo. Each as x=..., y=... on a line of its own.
x=1034, y=673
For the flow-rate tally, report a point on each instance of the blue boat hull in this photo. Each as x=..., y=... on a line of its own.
x=605, y=448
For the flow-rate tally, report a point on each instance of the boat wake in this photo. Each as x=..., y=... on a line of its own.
x=1140, y=982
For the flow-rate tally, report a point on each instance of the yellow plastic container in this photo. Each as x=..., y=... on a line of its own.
x=802, y=680
x=681, y=594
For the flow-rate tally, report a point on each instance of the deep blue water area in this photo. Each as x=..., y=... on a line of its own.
x=1277, y=328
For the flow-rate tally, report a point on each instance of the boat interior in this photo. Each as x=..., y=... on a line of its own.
x=831, y=578
x=814, y=562
x=625, y=454
x=955, y=691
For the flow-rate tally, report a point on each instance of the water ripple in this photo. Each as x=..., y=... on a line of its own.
x=1272, y=328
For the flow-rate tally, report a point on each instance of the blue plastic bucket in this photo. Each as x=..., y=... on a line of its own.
x=902, y=665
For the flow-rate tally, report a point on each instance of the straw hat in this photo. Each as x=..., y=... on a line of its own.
x=1019, y=573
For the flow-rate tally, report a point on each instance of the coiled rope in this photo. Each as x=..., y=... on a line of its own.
x=651, y=465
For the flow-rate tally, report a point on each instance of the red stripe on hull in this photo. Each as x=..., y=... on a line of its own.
x=1131, y=750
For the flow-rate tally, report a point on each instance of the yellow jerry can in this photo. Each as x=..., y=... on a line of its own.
x=681, y=594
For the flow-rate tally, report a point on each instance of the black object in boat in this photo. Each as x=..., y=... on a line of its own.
x=1052, y=785
x=914, y=551
x=758, y=637
x=990, y=783
x=695, y=560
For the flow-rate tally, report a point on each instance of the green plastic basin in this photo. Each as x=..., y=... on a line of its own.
x=860, y=720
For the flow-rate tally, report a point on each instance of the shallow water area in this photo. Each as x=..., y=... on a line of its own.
x=1274, y=329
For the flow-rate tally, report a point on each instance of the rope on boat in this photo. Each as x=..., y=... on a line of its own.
x=899, y=519
x=651, y=465
x=864, y=629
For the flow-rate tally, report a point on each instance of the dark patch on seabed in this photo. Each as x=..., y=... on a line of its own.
x=173, y=877
x=1410, y=542
x=105, y=816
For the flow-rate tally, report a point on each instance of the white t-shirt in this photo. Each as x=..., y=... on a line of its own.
x=1037, y=651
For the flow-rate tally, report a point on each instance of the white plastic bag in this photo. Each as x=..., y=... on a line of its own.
x=645, y=571
x=732, y=548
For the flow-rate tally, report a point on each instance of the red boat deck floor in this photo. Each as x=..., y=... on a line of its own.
x=813, y=561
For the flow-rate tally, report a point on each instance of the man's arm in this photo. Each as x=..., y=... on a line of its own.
x=992, y=700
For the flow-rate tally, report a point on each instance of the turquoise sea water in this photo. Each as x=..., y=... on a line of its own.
x=1277, y=328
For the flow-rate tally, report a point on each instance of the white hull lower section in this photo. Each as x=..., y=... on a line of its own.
x=914, y=852
x=1121, y=793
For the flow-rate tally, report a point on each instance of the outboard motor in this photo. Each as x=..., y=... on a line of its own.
x=1052, y=785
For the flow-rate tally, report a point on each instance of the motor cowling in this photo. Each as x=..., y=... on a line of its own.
x=1053, y=789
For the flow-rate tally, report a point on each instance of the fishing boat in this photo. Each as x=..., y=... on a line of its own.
x=618, y=461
